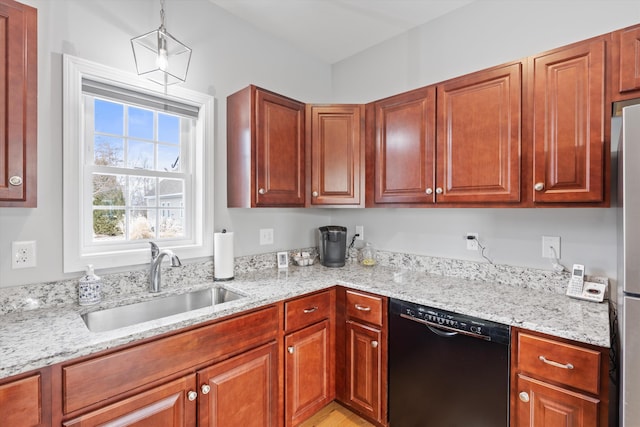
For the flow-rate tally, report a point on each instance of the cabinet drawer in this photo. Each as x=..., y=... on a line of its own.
x=364, y=307
x=307, y=310
x=91, y=381
x=559, y=362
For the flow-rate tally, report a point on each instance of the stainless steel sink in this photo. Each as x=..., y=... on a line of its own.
x=127, y=315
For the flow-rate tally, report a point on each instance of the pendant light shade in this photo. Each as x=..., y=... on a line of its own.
x=159, y=56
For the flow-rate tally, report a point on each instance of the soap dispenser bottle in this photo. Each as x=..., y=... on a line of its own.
x=89, y=287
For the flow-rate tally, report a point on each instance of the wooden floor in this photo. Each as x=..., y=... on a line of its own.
x=335, y=415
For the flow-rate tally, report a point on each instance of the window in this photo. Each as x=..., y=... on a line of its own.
x=135, y=168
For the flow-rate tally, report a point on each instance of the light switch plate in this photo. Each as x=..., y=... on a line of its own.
x=266, y=236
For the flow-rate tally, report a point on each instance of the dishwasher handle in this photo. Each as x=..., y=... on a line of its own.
x=444, y=331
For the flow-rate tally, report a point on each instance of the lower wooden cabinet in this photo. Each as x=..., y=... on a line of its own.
x=364, y=369
x=169, y=405
x=557, y=382
x=308, y=372
x=25, y=402
x=362, y=326
x=545, y=405
x=241, y=391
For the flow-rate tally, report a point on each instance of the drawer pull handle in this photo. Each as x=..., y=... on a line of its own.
x=206, y=388
x=290, y=349
x=310, y=309
x=363, y=307
x=524, y=396
x=192, y=395
x=556, y=364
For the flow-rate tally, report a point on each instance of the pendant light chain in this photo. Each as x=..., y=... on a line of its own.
x=162, y=27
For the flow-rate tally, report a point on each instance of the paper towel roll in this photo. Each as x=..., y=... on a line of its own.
x=223, y=256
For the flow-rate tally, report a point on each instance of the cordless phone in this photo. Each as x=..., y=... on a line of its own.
x=580, y=289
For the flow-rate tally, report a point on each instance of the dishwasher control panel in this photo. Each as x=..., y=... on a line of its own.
x=452, y=322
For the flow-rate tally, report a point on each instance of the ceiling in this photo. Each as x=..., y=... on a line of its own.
x=333, y=30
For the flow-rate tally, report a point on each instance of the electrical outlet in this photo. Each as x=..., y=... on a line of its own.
x=360, y=232
x=472, y=244
x=266, y=236
x=24, y=254
x=549, y=242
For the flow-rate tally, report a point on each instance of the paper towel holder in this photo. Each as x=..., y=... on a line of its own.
x=223, y=266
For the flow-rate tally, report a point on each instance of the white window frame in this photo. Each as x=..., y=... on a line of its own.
x=77, y=254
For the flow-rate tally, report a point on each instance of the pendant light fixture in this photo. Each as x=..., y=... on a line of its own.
x=159, y=56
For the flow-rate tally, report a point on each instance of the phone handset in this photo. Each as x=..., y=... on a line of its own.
x=589, y=291
x=577, y=281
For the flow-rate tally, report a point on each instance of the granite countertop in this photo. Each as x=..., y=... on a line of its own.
x=32, y=339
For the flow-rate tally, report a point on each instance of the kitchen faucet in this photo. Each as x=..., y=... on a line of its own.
x=156, y=261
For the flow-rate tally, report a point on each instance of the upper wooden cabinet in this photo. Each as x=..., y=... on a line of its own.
x=400, y=168
x=626, y=61
x=569, y=144
x=18, y=104
x=335, y=135
x=478, y=137
x=265, y=150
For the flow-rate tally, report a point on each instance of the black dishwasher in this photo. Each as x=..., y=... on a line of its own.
x=446, y=369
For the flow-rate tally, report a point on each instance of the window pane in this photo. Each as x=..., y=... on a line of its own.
x=140, y=123
x=108, y=190
x=108, y=207
x=108, y=224
x=140, y=155
x=168, y=128
x=169, y=158
x=140, y=225
x=109, y=117
x=142, y=192
x=108, y=151
x=171, y=223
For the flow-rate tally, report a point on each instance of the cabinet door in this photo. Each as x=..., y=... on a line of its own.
x=167, y=405
x=21, y=403
x=18, y=104
x=629, y=65
x=539, y=404
x=478, y=148
x=241, y=391
x=404, y=143
x=280, y=159
x=308, y=372
x=337, y=154
x=568, y=141
x=364, y=369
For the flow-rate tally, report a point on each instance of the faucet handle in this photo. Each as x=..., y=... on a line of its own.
x=155, y=250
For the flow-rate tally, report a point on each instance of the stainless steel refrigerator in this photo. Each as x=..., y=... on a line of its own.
x=629, y=265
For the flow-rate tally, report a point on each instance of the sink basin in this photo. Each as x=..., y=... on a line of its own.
x=127, y=315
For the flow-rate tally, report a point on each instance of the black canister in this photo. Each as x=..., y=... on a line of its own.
x=332, y=245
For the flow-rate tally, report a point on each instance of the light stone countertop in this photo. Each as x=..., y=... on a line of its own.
x=36, y=338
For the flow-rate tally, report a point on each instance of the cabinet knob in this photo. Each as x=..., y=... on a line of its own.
x=261, y=191
x=539, y=186
x=290, y=350
x=429, y=190
x=524, y=396
x=438, y=190
x=192, y=395
x=314, y=194
x=206, y=388
x=374, y=344
x=15, y=180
